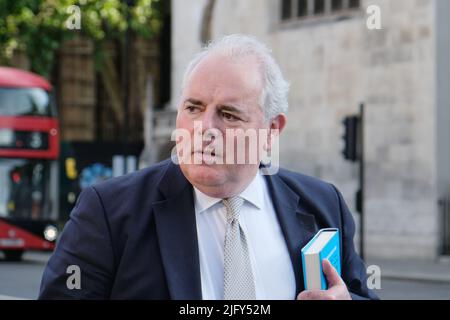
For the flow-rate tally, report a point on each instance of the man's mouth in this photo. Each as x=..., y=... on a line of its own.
x=206, y=157
x=203, y=153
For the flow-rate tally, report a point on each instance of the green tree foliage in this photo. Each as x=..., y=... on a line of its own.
x=39, y=27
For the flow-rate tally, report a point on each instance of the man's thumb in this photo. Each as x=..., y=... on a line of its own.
x=331, y=274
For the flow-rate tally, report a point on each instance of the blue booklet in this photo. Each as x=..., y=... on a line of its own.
x=324, y=245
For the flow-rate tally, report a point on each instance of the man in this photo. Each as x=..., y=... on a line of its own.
x=199, y=227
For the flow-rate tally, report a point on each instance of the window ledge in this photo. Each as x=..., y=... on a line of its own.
x=316, y=20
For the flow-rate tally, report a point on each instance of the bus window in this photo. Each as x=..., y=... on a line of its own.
x=25, y=102
x=24, y=192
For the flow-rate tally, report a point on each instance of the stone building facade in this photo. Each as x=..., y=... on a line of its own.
x=334, y=63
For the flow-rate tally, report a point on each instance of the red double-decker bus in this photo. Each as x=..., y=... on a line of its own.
x=29, y=149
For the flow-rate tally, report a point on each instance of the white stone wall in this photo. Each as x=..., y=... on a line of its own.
x=186, y=17
x=399, y=73
x=443, y=97
x=333, y=67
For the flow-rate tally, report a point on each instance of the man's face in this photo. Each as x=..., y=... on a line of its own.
x=221, y=94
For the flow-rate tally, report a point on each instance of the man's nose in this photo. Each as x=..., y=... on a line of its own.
x=211, y=127
x=210, y=120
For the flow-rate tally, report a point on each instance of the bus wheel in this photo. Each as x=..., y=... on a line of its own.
x=13, y=255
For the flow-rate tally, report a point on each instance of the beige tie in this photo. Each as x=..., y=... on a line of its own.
x=238, y=283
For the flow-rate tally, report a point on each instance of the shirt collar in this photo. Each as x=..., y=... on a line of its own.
x=203, y=202
x=254, y=191
x=253, y=194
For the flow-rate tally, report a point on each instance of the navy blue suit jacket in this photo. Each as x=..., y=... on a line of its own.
x=134, y=237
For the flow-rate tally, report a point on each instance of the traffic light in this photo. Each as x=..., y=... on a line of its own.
x=351, y=138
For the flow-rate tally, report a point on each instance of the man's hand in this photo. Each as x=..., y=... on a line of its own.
x=337, y=290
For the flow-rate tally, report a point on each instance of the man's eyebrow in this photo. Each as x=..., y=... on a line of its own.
x=231, y=108
x=194, y=101
x=223, y=107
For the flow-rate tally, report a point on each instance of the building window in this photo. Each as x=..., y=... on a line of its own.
x=319, y=7
x=292, y=10
x=302, y=8
x=337, y=5
x=286, y=6
x=354, y=4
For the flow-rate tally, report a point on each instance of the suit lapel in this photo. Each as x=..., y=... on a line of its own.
x=177, y=235
x=297, y=225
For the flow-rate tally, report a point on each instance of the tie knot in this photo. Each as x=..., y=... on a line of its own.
x=233, y=206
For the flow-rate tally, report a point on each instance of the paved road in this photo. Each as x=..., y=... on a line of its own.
x=22, y=280
x=414, y=290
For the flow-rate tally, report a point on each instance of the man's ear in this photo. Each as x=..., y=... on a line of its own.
x=276, y=125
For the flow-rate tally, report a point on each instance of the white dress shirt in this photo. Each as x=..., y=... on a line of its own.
x=269, y=256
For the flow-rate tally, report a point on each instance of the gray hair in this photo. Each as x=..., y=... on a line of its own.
x=273, y=99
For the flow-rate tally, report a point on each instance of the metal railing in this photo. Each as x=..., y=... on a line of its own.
x=444, y=206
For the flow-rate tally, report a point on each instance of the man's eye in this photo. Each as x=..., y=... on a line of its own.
x=192, y=109
x=229, y=116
